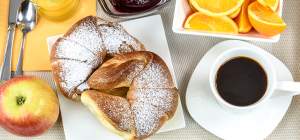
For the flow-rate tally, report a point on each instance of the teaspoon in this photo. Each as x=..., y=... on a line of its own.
x=26, y=21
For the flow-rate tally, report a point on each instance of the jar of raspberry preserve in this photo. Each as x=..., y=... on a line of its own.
x=131, y=8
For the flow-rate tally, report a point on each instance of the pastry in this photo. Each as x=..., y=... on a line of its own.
x=113, y=111
x=84, y=48
x=130, y=90
x=151, y=99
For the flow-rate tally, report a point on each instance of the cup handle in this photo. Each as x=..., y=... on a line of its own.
x=289, y=86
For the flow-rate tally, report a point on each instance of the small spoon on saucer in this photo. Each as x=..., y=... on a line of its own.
x=26, y=21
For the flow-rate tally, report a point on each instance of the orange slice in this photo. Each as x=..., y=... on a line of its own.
x=236, y=13
x=273, y=4
x=264, y=20
x=242, y=20
x=220, y=24
x=216, y=7
x=193, y=8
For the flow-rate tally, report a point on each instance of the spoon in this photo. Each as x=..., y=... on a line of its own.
x=26, y=21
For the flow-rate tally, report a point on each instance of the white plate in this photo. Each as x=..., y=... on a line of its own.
x=80, y=124
x=183, y=9
x=253, y=125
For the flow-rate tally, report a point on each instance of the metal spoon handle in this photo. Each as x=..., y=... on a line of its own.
x=6, y=67
x=19, y=70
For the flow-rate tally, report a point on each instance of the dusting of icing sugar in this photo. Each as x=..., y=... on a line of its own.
x=83, y=87
x=71, y=50
x=72, y=73
x=153, y=76
x=134, y=71
x=87, y=35
x=148, y=107
x=117, y=40
x=150, y=103
x=117, y=109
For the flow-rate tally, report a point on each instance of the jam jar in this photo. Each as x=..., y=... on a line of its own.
x=131, y=8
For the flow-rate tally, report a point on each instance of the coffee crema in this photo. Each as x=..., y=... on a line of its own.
x=241, y=81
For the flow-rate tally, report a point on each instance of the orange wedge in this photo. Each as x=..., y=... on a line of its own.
x=220, y=24
x=236, y=13
x=264, y=20
x=216, y=7
x=193, y=8
x=273, y=4
x=242, y=20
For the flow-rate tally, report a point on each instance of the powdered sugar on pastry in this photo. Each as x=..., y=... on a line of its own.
x=116, y=108
x=72, y=73
x=117, y=40
x=67, y=49
x=121, y=112
x=83, y=87
x=155, y=75
x=87, y=34
x=150, y=107
x=152, y=96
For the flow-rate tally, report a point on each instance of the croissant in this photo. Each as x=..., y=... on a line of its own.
x=151, y=98
x=130, y=90
x=84, y=48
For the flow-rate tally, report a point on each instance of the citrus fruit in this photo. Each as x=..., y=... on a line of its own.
x=221, y=24
x=216, y=7
x=242, y=20
x=236, y=13
x=273, y=4
x=264, y=20
x=193, y=8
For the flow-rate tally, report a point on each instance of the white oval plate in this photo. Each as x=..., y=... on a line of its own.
x=253, y=125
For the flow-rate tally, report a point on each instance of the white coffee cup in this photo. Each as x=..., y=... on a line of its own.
x=273, y=83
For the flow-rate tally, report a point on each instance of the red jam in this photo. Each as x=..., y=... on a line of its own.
x=133, y=6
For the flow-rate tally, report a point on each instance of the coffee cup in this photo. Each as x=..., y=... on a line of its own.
x=244, y=78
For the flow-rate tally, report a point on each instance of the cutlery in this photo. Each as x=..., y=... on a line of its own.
x=26, y=21
x=12, y=18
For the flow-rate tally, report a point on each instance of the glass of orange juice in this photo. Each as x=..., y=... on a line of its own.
x=57, y=9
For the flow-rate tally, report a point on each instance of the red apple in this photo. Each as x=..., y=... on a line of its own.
x=28, y=106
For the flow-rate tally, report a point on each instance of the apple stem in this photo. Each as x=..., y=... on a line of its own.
x=20, y=100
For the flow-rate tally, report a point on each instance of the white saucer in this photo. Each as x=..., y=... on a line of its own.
x=252, y=125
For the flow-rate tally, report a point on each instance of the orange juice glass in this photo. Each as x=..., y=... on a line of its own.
x=57, y=9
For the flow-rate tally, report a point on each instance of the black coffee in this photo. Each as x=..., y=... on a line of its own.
x=241, y=81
